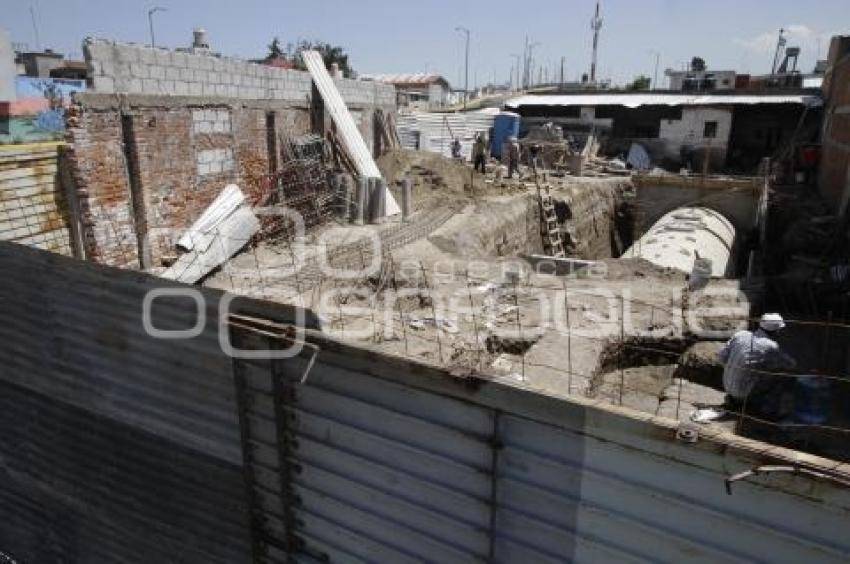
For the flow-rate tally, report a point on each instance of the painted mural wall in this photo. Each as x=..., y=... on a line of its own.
x=38, y=113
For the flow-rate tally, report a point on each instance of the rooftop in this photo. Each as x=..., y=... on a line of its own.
x=638, y=99
x=414, y=79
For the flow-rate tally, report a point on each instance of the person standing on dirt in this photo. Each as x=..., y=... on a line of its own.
x=749, y=357
x=456, y=148
x=479, y=152
x=511, y=153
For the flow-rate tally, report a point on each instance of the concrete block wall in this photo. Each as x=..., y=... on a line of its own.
x=125, y=68
x=33, y=208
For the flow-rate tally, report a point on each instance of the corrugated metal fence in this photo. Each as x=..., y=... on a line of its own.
x=117, y=447
x=114, y=446
x=387, y=461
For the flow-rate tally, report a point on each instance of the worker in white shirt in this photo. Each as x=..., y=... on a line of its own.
x=749, y=357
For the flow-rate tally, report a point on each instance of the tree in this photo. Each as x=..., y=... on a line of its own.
x=330, y=54
x=697, y=64
x=641, y=82
x=274, y=49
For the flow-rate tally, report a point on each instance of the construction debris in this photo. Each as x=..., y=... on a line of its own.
x=347, y=133
x=223, y=229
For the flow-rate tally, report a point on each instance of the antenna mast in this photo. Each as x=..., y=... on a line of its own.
x=596, y=26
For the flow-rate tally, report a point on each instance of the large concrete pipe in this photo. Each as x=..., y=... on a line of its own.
x=679, y=237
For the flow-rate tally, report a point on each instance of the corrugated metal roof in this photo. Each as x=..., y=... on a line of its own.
x=662, y=99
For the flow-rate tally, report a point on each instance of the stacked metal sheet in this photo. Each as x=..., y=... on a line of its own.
x=435, y=132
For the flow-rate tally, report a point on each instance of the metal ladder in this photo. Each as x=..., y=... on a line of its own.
x=553, y=243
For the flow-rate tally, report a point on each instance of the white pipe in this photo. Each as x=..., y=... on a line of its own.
x=676, y=239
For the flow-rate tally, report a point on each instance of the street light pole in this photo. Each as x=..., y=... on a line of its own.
x=151, y=12
x=466, y=85
x=655, y=77
x=517, y=85
x=530, y=63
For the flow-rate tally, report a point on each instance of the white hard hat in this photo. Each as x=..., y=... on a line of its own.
x=772, y=322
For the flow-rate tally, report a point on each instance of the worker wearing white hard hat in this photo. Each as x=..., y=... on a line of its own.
x=749, y=358
x=771, y=322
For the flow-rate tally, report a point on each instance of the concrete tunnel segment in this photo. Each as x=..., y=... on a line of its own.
x=685, y=234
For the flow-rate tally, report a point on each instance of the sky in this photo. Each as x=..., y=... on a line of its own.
x=395, y=36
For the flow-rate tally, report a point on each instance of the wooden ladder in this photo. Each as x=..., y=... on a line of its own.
x=553, y=243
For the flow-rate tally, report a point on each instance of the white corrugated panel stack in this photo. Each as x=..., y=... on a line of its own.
x=435, y=132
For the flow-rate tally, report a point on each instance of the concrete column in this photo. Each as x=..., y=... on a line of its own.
x=361, y=200
x=342, y=192
x=406, y=199
x=377, y=196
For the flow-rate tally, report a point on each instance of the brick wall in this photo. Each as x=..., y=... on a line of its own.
x=33, y=208
x=99, y=170
x=147, y=163
x=145, y=168
x=134, y=69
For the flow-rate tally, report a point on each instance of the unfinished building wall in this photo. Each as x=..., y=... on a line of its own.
x=165, y=131
x=145, y=167
x=97, y=163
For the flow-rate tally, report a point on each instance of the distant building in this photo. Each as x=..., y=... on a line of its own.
x=278, y=62
x=732, y=130
x=49, y=64
x=418, y=91
x=73, y=70
x=701, y=81
x=40, y=63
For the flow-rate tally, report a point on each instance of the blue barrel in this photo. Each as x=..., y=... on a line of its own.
x=505, y=125
x=812, y=401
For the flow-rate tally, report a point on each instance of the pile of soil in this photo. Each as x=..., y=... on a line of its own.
x=701, y=365
x=431, y=174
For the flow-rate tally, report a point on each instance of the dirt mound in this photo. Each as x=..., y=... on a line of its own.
x=701, y=365
x=429, y=172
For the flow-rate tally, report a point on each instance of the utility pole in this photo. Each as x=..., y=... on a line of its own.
x=655, y=76
x=525, y=65
x=530, y=64
x=35, y=29
x=780, y=43
x=515, y=86
x=151, y=12
x=562, y=72
x=596, y=26
x=466, y=81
